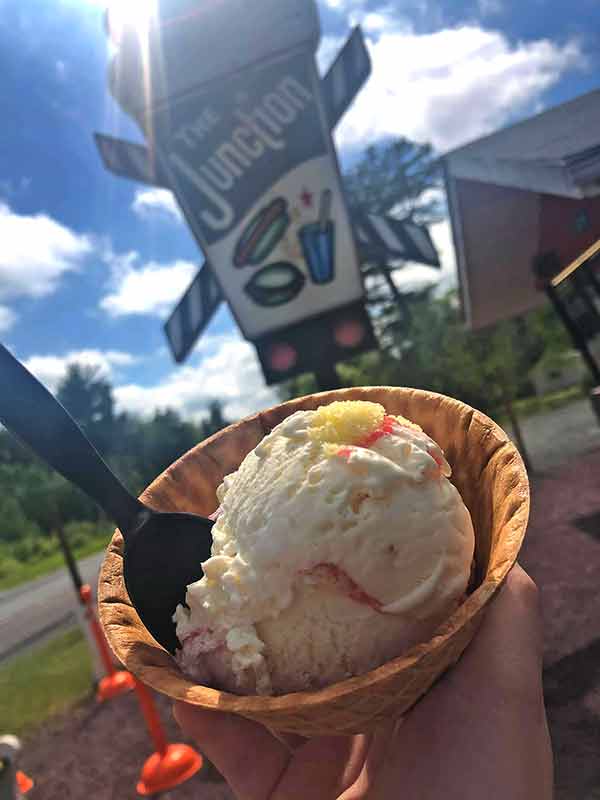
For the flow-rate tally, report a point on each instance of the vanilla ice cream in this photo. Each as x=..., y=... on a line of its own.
x=339, y=543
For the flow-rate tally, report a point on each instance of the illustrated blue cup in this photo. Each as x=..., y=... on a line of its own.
x=317, y=242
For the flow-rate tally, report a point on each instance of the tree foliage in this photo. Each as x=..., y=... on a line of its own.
x=34, y=500
x=88, y=397
x=402, y=179
x=396, y=178
x=437, y=352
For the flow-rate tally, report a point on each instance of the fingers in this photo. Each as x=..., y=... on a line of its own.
x=258, y=766
x=249, y=758
x=505, y=657
x=514, y=615
x=481, y=731
x=322, y=769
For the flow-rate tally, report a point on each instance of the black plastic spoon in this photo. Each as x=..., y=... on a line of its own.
x=163, y=551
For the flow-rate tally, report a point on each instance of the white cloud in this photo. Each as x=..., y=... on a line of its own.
x=7, y=319
x=328, y=49
x=151, y=203
x=450, y=86
x=374, y=21
x=441, y=233
x=344, y=5
x=151, y=288
x=50, y=370
x=35, y=252
x=226, y=369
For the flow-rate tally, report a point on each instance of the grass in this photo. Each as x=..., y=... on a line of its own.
x=528, y=406
x=27, y=571
x=44, y=682
x=547, y=402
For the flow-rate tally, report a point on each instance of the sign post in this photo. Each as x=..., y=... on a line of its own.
x=575, y=295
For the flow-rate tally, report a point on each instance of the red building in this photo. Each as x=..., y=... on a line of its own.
x=527, y=194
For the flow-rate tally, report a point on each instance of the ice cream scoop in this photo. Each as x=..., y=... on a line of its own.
x=339, y=543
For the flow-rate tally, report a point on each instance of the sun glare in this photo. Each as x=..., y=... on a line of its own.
x=133, y=15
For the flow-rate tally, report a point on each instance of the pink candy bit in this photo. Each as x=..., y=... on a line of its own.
x=440, y=469
x=385, y=429
x=437, y=458
x=332, y=574
x=345, y=452
x=204, y=639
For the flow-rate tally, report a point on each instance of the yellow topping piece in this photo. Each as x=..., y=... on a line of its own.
x=346, y=422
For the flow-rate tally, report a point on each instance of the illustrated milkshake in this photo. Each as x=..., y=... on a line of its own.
x=318, y=244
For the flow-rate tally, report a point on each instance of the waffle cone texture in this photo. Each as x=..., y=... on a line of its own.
x=488, y=472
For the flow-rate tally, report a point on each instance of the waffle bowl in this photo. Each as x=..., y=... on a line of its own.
x=488, y=472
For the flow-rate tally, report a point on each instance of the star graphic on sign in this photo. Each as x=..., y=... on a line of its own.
x=307, y=198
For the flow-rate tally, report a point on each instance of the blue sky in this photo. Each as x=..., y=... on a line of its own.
x=91, y=264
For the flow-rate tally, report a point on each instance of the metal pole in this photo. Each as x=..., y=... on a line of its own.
x=583, y=285
x=591, y=275
x=578, y=339
x=72, y=566
x=397, y=295
x=516, y=426
x=70, y=560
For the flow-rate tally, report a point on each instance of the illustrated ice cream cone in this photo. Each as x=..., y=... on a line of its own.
x=490, y=476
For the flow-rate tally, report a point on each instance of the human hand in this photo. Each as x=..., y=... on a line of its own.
x=480, y=733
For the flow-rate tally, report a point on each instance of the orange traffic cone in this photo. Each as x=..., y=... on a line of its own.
x=13, y=783
x=24, y=782
x=170, y=764
x=115, y=682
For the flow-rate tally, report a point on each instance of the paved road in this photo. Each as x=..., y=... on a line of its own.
x=28, y=612
x=555, y=437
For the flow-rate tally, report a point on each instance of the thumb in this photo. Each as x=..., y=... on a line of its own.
x=250, y=759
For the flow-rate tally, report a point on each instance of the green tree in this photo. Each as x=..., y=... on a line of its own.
x=215, y=421
x=393, y=178
x=12, y=451
x=163, y=439
x=441, y=354
x=402, y=179
x=88, y=398
x=14, y=525
x=35, y=500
